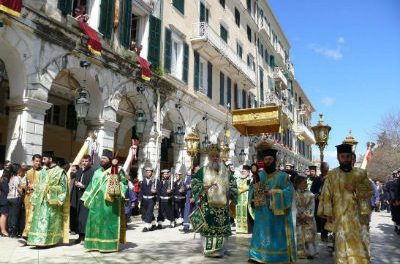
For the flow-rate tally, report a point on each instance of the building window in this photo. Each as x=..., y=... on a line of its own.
x=180, y=5
x=177, y=57
x=222, y=2
x=221, y=88
x=224, y=33
x=237, y=17
x=135, y=29
x=250, y=62
x=239, y=49
x=249, y=33
x=204, y=13
x=261, y=50
x=266, y=56
x=248, y=2
x=261, y=86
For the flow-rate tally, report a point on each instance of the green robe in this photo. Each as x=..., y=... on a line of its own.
x=48, y=197
x=243, y=210
x=104, y=221
x=218, y=220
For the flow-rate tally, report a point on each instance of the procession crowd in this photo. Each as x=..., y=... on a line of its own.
x=283, y=209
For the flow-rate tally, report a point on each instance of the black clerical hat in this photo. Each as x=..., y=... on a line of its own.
x=246, y=167
x=48, y=154
x=107, y=153
x=344, y=148
x=269, y=152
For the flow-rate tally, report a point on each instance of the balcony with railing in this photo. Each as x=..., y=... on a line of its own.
x=210, y=45
x=279, y=77
x=305, y=131
x=273, y=99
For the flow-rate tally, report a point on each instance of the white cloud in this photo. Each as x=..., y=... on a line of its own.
x=328, y=101
x=332, y=53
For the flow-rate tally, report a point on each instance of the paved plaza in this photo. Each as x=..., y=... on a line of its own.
x=173, y=247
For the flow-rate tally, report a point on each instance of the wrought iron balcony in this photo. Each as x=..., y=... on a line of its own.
x=278, y=75
x=207, y=41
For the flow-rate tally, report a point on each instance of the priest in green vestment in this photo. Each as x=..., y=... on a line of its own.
x=213, y=187
x=105, y=227
x=244, y=212
x=47, y=201
x=271, y=193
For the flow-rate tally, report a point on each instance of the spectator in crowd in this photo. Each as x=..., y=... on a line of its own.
x=4, y=207
x=15, y=202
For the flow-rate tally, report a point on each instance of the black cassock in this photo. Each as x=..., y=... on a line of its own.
x=166, y=210
x=179, y=199
x=85, y=177
x=147, y=200
x=316, y=189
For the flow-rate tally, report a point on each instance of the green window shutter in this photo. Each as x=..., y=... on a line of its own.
x=65, y=6
x=196, y=70
x=207, y=14
x=261, y=85
x=106, y=18
x=180, y=5
x=229, y=91
x=244, y=99
x=235, y=96
x=153, y=55
x=168, y=50
x=202, y=12
x=185, y=62
x=221, y=88
x=209, y=80
x=125, y=25
x=224, y=33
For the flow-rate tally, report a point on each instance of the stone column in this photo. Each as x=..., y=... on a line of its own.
x=147, y=156
x=25, y=129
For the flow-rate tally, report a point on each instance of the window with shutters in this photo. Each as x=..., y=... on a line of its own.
x=248, y=4
x=235, y=96
x=176, y=56
x=261, y=76
x=203, y=84
x=222, y=3
x=221, y=88
x=237, y=17
x=153, y=55
x=180, y=5
x=250, y=62
x=125, y=23
x=239, y=49
x=75, y=8
x=228, y=92
x=204, y=12
x=135, y=26
x=266, y=56
x=244, y=99
x=106, y=18
x=224, y=33
x=249, y=33
x=272, y=61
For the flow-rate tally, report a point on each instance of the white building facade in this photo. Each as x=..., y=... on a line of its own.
x=207, y=57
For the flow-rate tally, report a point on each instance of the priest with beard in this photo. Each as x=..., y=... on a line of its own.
x=213, y=186
x=271, y=195
x=105, y=226
x=344, y=202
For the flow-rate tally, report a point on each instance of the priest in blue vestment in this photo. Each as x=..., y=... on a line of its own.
x=271, y=195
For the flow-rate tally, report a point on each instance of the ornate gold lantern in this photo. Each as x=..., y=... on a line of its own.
x=321, y=134
x=351, y=140
x=224, y=151
x=192, y=144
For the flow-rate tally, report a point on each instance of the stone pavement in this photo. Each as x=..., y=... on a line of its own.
x=173, y=247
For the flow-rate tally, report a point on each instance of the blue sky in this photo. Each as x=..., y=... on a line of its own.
x=347, y=59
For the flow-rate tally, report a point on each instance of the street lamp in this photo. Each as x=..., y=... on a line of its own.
x=321, y=134
x=206, y=142
x=82, y=103
x=242, y=156
x=179, y=133
x=140, y=122
x=351, y=141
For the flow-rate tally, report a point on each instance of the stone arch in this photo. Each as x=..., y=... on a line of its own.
x=16, y=54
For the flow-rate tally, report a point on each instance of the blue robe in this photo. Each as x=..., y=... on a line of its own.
x=273, y=234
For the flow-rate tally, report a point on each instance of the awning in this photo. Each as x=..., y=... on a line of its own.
x=253, y=121
x=12, y=7
x=94, y=44
x=145, y=71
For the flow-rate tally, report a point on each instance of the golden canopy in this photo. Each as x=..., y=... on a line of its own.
x=253, y=121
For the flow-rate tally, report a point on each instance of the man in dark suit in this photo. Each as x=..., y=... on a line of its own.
x=82, y=180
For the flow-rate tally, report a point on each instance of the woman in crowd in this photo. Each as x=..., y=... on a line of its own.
x=5, y=178
x=15, y=202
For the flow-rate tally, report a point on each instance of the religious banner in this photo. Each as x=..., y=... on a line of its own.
x=12, y=7
x=94, y=44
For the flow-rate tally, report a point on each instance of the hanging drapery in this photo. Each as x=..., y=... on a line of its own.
x=145, y=71
x=94, y=44
x=12, y=7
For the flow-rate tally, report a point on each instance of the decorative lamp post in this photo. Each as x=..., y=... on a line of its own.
x=192, y=145
x=242, y=156
x=179, y=133
x=140, y=122
x=321, y=134
x=82, y=103
x=351, y=141
x=224, y=151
